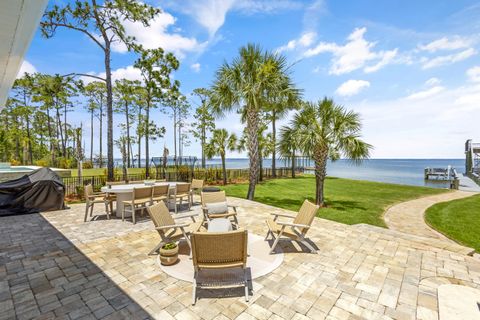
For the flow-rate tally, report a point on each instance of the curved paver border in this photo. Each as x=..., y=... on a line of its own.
x=408, y=217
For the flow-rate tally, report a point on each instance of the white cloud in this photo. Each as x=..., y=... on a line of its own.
x=447, y=44
x=442, y=122
x=432, y=82
x=128, y=72
x=426, y=93
x=305, y=40
x=195, y=67
x=157, y=35
x=474, y=74
x=26, y=67
x=352, y=87
x=447, y=59
x=211, y=14
x=355, y=54
x=387, y=58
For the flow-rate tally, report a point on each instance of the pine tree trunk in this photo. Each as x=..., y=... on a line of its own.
x=50, y=140
x=91, y=138
x=252, y=129
x=147, y=137
x=203, y=140
x=139, y=125
x=320, y=157
x=65, y=134
x=274, y=141
x=101, y=136
x=29, y=140
x=175, y=135
x=127, y=122
x=108, y=77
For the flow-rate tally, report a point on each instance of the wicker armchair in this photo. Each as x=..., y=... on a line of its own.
x=168, y=228
x=97, y=197
x=140, y=198
x=216, y=251
x=217, y=197
x=295, y=230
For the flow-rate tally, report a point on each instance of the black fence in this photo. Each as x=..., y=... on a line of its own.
x=75, y=185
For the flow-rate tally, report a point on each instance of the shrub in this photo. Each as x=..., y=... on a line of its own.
x=87, y=165
x=42, y=163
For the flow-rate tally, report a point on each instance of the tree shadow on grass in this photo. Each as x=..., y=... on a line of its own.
x=295, y=204
x=346, y=205
x=47, y=276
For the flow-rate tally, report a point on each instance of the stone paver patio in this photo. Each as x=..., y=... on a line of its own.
x=52, y=265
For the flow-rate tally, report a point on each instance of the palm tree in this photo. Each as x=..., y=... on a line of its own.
x=325, y=129
x=265, y=146
x=288, y=145
x=220, y=142
x=288, y=98
x=245, y=85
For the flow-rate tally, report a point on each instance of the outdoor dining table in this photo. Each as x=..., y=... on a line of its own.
x=124, y=192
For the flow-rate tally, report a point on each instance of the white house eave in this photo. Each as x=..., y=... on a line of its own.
x=19, y=20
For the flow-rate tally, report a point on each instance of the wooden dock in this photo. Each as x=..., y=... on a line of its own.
x=443, y=174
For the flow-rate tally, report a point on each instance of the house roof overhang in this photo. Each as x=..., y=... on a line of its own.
x=19, y=20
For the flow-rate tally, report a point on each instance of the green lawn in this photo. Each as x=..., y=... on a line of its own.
x=102, y=171
x=458, y=219
x=348, y=201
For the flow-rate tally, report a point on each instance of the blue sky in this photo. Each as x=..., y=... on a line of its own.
x=410, y=68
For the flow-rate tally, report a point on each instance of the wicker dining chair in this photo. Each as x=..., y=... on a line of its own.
x=196, y=187
x=182, y=190
x=160, y=193
x=140, y=198
x=209, y=198
x=295, y=230
x=169, y=229
x=217, y=251
x=97, y=197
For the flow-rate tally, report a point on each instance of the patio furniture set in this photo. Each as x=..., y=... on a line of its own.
x=216, y=242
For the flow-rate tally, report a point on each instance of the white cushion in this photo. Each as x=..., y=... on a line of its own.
x=217, y=207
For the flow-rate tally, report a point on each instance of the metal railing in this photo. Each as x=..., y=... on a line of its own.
x=75, y=185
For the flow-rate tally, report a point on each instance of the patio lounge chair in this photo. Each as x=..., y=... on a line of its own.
x=140, y=198
x=219, y=200
x=295, y=230
x=97, y=197
x=168, y=228
x=216, y=251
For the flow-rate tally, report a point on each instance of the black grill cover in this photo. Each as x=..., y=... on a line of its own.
x=40, y=190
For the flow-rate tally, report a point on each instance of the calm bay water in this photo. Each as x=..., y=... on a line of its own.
x=401, y=171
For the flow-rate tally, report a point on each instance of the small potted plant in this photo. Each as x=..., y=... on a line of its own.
x=169, y=253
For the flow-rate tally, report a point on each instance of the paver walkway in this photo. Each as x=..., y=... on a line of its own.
x=55, y=266
x=408, y=217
